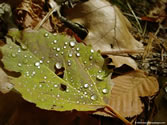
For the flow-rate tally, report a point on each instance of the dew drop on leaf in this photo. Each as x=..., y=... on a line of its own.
x=86, y=85
x=37, y=64
x=58, y=65
x=54, y=48
x=55, y=41
x=91, y=57
x=46, y=35
x=58, y=49
x=48, y=62
x=23, y=47
x=70, y=55
x=77, y=49
x=92, y=51
x=105, y=91
x=40, y=85
x=65, y=47
x=66, y=43
x=55, y=85
x=45, y=77
x=72, y=43
x=13, y=55
x=93, y=97
x=19, y=64
x=78, y=54
x=99, y=77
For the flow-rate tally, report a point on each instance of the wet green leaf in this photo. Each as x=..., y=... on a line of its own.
x=41, y=56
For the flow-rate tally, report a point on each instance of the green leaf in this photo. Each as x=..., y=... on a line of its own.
x=38, y=55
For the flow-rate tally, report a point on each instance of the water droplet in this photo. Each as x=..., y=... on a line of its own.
x=37, y=64
x=70, y=54
x=58, y=49
x=55, y=85
x=99, y=77
x=10, y=47
x=69, y=64
x=72, y=43
x=99, y=71
x=30, y=57
x=105, y=91
x=86, y=85
x=91, y=57
x=41, y=61
x=77, y=49
x=48, y=62
x=55, y=41
x=92, y=51
x=46, y=35
x=78, y=54
x=54, y=48
x=93, y=97
x=25, y=56
x=40, y=85
x=85, y=93
x=77, y=102
x=62, y=53
x=13, y=55
x=45, y=77
x=19, y=50
x=64, y=47
x=57, y=54
x=33, y=73
x=66, y=43
x=67, y=90
x=19, y=64
x=23, y=47
x=58, y=65
x=58, y=95
x=85, y=62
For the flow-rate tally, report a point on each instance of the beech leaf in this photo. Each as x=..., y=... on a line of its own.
x=40, y=57
x=128, y=88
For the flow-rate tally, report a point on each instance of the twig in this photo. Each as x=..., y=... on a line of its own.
x=125, y=51
x=141, y=30
x=118, y=115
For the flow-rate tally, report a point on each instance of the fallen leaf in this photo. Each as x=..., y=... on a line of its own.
x=118, y=61
x=108, y=28
x=5, y=85
x=30, y=13
x=128, y=88
x=85, y=85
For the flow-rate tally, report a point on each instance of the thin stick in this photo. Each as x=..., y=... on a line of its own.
x=141, y=30
x=125, y=51
x=118, y=115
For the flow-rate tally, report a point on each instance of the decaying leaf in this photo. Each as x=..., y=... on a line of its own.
x=108, y=28
x=84, y=85
x=5, y=85
x=118, y=61
x=30, y=13
x=128, y=88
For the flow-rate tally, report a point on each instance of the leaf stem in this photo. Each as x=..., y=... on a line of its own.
x=117, y=114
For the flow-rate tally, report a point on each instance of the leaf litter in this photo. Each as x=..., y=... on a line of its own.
x=55, y=67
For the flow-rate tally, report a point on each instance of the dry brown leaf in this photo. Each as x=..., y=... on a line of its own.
x=118, y=61
x=30, y=13
x=125, y=95
x=5, y=86
x=108, y=28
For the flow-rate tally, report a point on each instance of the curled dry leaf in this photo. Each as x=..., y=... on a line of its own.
x=108, y=28
x=30, y=13
x=118, y=61
x=125, y=95
x=5, y=86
